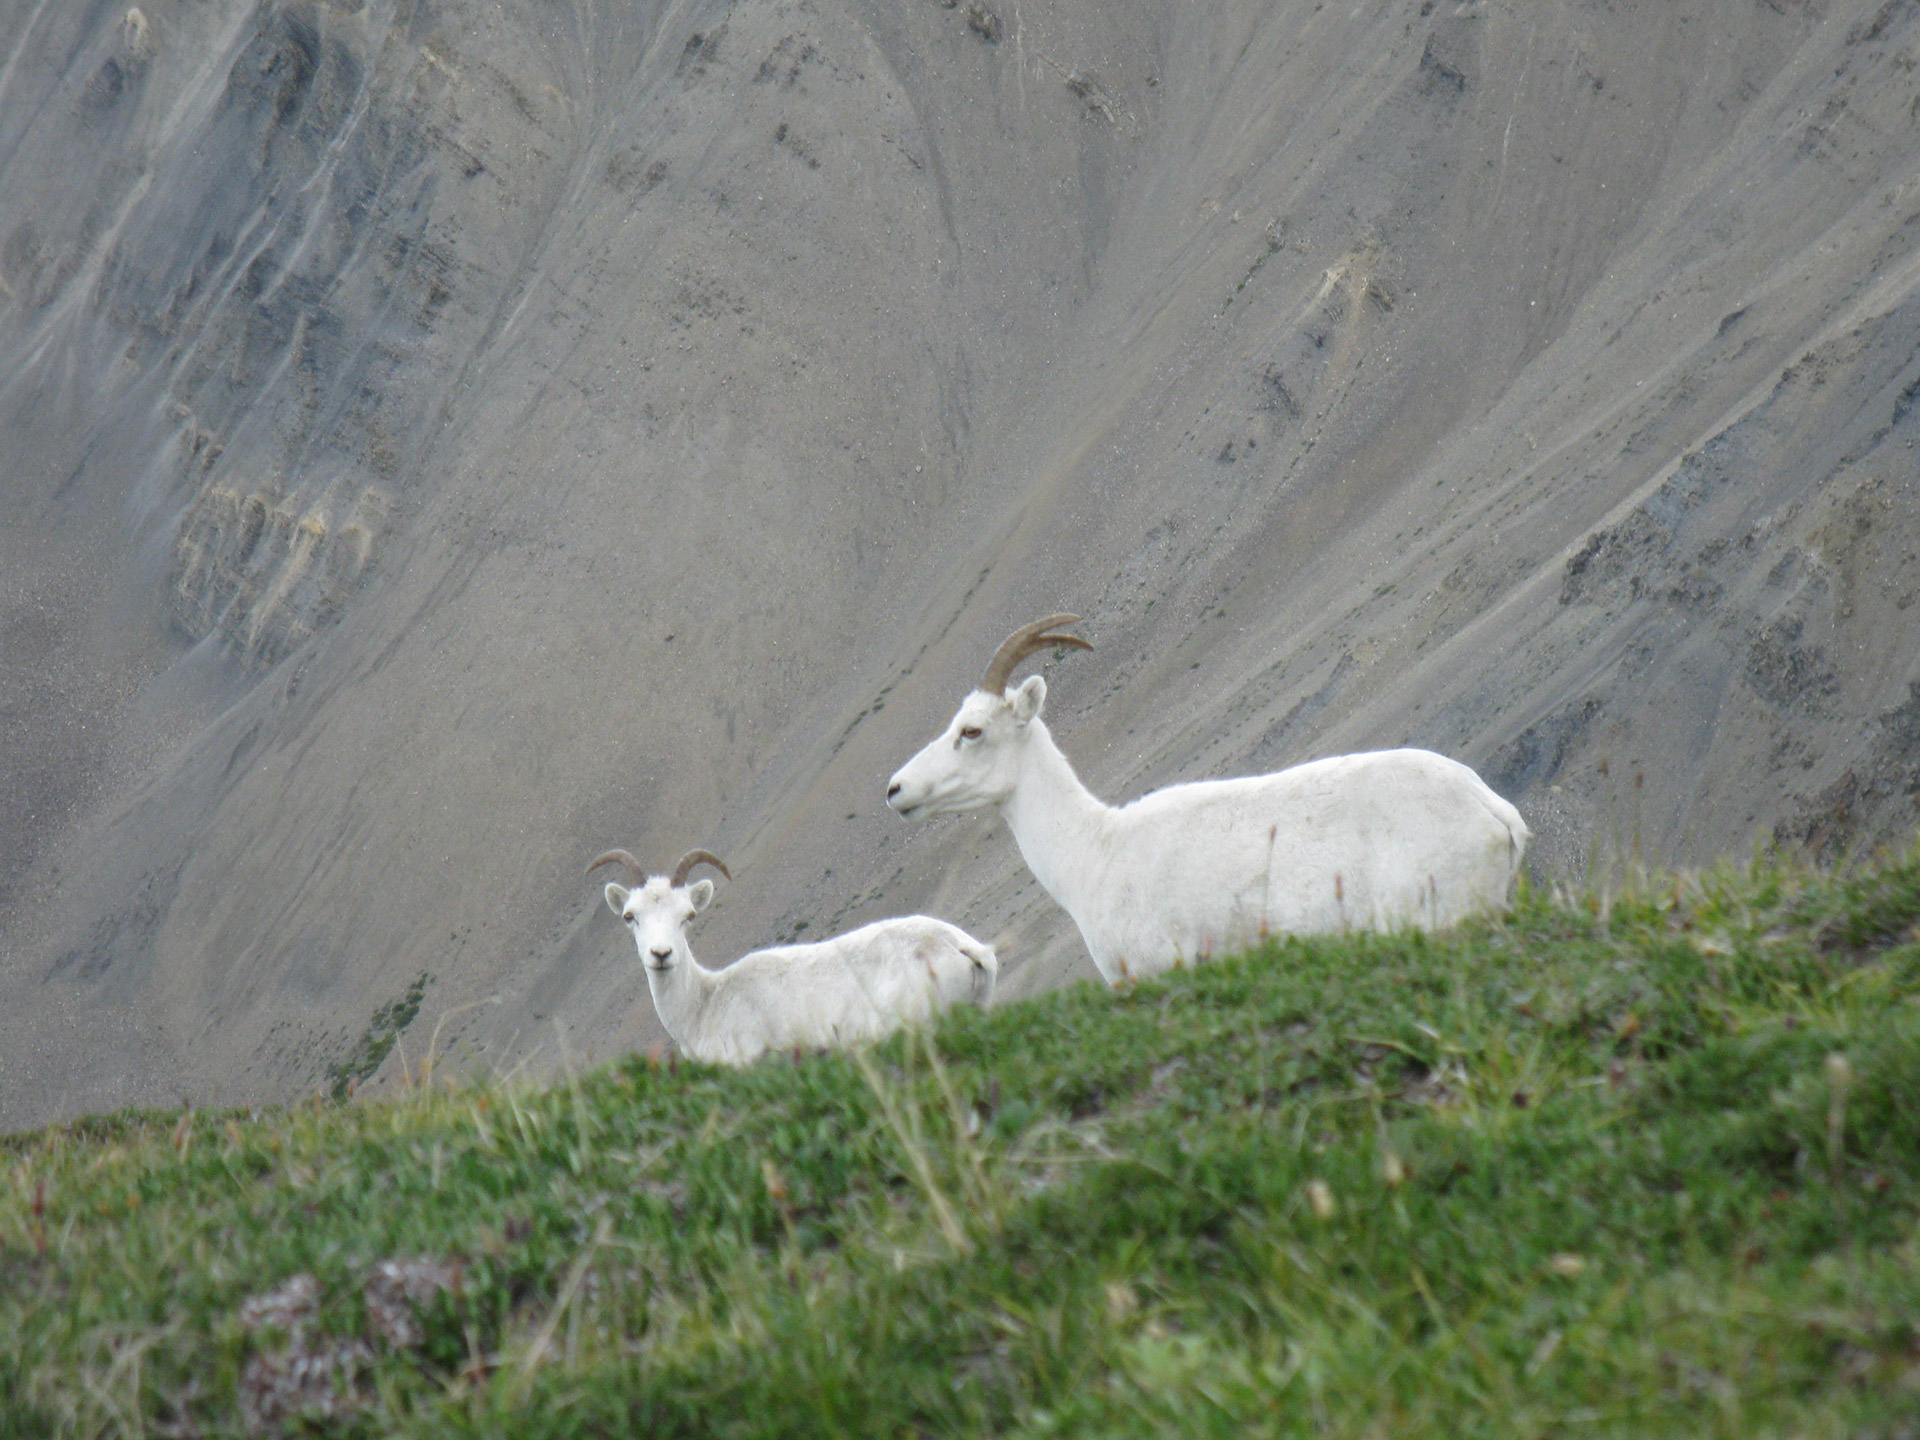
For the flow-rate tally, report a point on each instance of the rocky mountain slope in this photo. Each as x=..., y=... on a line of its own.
x=446, y=438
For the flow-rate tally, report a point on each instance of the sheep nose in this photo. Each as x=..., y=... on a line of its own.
x=666, y=954
x=893, y=789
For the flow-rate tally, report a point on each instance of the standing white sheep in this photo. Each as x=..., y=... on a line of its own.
x=1369, y=841
x=856, y=987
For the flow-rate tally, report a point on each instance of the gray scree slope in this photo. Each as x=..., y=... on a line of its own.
x=443, y=439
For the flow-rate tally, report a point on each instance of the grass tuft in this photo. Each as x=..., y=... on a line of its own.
x=370, y=1051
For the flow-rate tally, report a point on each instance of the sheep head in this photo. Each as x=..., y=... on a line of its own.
x=975, y=761
x=660, y=907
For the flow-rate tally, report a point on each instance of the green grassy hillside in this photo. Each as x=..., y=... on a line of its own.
x=1613, y=1166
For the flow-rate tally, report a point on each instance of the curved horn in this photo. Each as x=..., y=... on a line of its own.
x=1022, y=643
x=634, y=867
x=693, y=858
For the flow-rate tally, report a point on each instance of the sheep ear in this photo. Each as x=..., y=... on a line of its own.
x=1027, y=700
x=617, y=897
x=701, y=894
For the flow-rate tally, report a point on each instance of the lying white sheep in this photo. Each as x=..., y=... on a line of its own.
x=1370, y=841
x=856, y=987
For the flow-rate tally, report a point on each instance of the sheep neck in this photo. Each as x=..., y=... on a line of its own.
x=1061, y=827
x=681, y=995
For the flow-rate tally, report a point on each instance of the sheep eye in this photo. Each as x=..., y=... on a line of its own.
x=969, y=732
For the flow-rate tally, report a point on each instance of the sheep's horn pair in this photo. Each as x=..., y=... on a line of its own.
x=1024, y=642
x=680, y=871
